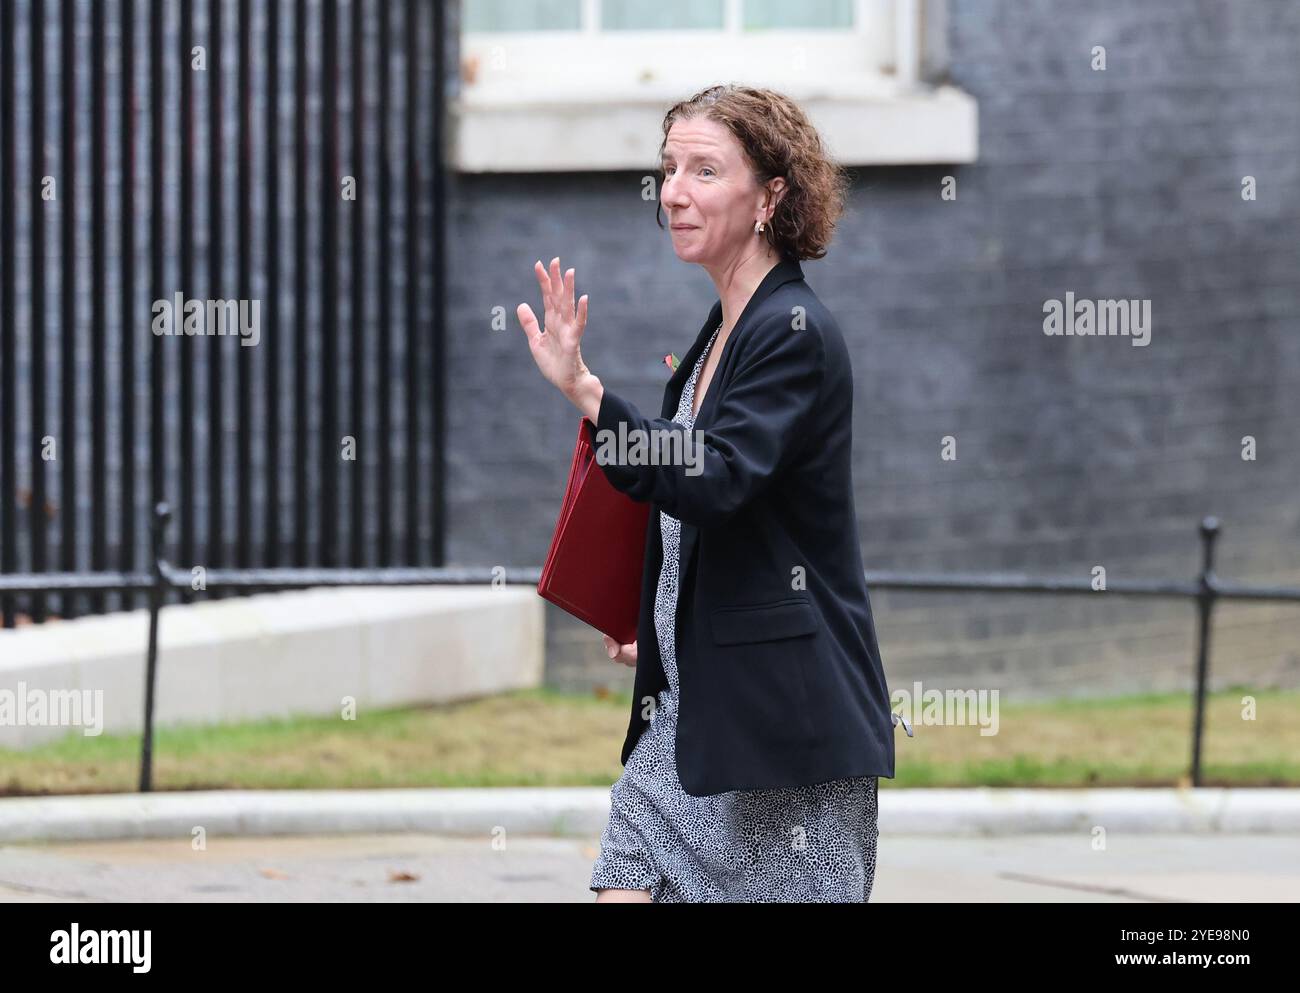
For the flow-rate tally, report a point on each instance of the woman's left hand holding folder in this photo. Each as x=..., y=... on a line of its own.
x=620, y=653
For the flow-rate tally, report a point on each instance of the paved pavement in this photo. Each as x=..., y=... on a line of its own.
x=1043, y=867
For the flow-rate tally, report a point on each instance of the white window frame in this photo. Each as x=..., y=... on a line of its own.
x=564, y=101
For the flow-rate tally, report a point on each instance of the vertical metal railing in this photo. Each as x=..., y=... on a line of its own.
x=385, y=270
x=66, y=190
x=271, y=305
x=157, y=247
x=186, y=195
x=126, y=552
x=1206, y=593
x=356, y=492
x=214, y=552
x=436, y=388
x=8, y=306
x=157, y=591
x=414, y=372
x=198, y=147
x=301, y=409
x=97, y=340
x=329, y=325
x=247, y=489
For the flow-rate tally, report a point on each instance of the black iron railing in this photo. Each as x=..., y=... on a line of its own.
x=1204, y=590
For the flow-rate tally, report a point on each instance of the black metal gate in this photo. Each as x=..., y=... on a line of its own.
x=221, y=239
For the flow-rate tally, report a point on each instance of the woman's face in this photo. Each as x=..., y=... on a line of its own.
x=709, y=194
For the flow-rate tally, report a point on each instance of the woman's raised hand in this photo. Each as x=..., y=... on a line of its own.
x=620, y=653
x=556, y=346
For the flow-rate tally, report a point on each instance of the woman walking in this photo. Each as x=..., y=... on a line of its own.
x=760, y=719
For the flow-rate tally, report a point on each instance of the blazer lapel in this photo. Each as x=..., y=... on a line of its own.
x=677, y=381
x=782, y=272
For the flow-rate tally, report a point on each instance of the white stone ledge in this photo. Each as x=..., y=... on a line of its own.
x=523, y=132
x=283, y=654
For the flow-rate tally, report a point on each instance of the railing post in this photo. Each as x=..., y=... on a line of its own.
x=1204, y=604
x=161, y=514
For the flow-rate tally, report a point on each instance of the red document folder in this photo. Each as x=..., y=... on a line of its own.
x=593, y=568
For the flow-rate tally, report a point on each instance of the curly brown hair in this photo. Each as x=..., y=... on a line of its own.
x=778, y=140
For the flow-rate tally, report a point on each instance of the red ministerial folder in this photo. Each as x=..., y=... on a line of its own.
x=593, y=568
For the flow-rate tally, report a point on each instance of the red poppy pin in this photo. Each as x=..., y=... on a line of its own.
x=672, y=361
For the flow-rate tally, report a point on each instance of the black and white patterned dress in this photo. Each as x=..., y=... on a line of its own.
x=806, y=844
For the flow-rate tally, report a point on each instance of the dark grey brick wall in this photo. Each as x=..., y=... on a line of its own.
x=1072, y=452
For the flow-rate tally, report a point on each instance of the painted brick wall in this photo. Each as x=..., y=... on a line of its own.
x=1071, y=452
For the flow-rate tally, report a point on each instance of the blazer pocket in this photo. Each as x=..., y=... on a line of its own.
x=770, y=621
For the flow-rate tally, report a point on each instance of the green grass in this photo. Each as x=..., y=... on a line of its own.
x=548, y=738
x=1142, y=740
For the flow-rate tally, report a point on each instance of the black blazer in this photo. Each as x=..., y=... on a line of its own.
x=779, y=671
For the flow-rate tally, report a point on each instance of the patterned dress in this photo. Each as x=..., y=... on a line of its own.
x=806, y=844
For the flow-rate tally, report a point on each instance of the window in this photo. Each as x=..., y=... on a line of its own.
x=541, y=15
x=583, y=84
